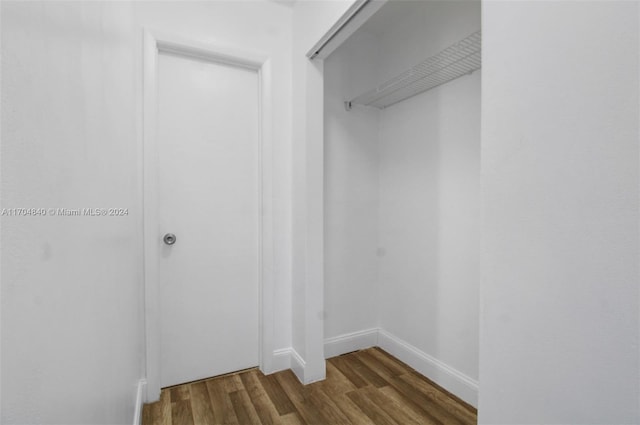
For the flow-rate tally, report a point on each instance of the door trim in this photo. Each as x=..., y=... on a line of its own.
x=154, y=43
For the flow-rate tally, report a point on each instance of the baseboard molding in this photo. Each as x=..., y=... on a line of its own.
x=281, y=360
x=444, y=375
x=297, y=365
x=347, y=343
x=137, y=415
x=441, y=373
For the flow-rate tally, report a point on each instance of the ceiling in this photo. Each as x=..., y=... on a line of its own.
x=393, y=14
x=288, y=3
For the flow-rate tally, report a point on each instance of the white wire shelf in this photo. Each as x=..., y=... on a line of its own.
x=457, y=60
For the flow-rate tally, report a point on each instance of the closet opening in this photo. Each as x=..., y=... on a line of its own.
x=402, y=190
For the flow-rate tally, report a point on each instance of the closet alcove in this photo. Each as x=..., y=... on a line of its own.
x=402, y=189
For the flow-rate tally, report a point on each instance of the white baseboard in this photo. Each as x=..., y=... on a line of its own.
x=281, y=360
x=288, y=358
x=444, y=375
x=297, y=365
x=353, y=341
x=439, y=372
x=137, y=415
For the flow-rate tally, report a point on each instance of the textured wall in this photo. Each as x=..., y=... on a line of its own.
x=71, y=286
x=559, y=325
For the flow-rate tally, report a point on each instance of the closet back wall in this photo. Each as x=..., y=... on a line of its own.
x=430, y=194
x=402, y=199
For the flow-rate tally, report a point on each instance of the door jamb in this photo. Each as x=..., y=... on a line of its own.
x=154, y=43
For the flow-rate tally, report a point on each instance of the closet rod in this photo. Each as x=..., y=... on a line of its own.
x=459, y=59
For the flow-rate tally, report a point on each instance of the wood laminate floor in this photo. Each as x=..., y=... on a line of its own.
x=364, y=387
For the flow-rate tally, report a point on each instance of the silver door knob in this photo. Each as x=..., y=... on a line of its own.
x=169, y=239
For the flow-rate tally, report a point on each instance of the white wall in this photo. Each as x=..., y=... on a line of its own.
x=559, y=320
x=429, y=226
x=351, y=190
x=429, y=196
x=71, y=295
x=72, y=315
x=311, y=20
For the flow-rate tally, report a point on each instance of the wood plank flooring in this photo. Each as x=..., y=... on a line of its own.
x=368, y=387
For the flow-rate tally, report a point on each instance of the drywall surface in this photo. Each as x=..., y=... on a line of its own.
x=311, y=20
x=350, y=190
x=559, y=324
x=429, y=222
x=262, y=28
x=429, y=197
x=71, y=285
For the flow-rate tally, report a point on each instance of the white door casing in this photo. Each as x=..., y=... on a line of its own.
x=154, y=44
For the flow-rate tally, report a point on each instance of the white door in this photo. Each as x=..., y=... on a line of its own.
x=208, y=197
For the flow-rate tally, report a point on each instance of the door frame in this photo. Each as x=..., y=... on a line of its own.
x=155, y=43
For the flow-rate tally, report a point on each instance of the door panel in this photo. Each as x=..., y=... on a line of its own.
x=208, y=196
